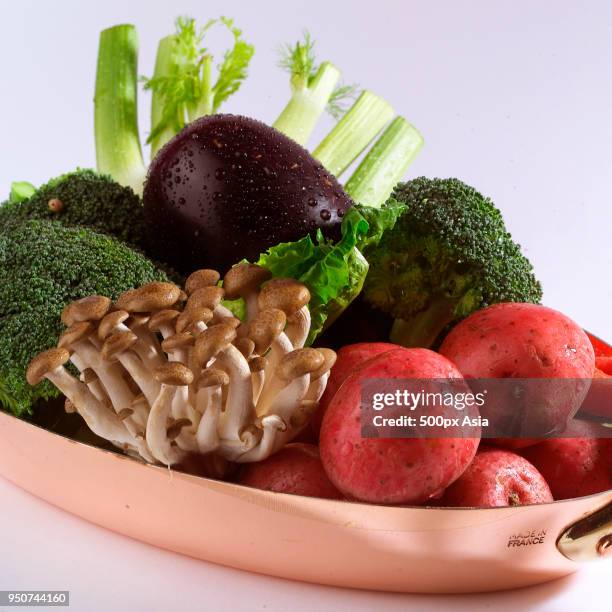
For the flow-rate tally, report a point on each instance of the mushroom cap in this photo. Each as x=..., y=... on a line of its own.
x=140, y=400
x=211, y=341
x=329, y=358
x=174, y=374
x=212, y=377
x=88, y=375
x=244, y=278
x=192, y=315
x=207, y=297
x=174, y=430
x=245, y=345
x=110, y=321
x=149, y=297
x=118, y=343
x=265, y=327
x=302, y=416
x=125, y=413
x=161, y=318
x=90, y=308
x=298, y=363
x=234, y=322
x=137, y=319
x=201, y=278
x=257, y=363
x=286, y=294
x=46, y=362
x=76, y=332
x=178, y=341
x=250, y=434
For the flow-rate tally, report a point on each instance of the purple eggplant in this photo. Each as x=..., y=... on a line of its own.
x=229, y=187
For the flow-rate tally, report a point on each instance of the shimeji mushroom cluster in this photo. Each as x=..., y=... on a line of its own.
x=166, y=372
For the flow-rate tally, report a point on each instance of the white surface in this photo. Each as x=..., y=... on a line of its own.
x=513, y=97
x=45, y=548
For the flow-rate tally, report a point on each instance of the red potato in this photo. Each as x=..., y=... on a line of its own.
x=498, y=478
x=385, y=470
x=295, y=469
x=574, y=467
x=349, y=359
x=513, y=340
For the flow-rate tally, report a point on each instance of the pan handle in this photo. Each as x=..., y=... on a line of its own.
x=589, y=538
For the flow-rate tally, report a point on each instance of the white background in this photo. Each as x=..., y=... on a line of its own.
x=512, y=97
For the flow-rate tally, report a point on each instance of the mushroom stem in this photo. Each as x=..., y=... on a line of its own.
x=140, y=414
x=281, y=346
x=146, y=346
x=317, y=387
x=141, y=375
x=157, y=428
x=272, y=425
x=220, y=313
x=174, y=378
x=287, y=401
x=98, y=417
x=239, y=407
x=182, y=409
x=149, y=339
x=252, y=307
x=109, y=374
x=207, y=436
x=94, y=385
x=298, y=327
x=258, y=377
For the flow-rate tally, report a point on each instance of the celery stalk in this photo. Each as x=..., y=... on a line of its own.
x=307, y=103
x=385, y=164
x=182, y=84
x=206, y=104
x=352, y=134
x=118, y=150
x=164, y=65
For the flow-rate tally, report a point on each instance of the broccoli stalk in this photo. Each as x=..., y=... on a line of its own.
x=424, y=327
x=448, y=255
x=312, y=88
x=118, y=150
x=385, y=164
x=183, y=84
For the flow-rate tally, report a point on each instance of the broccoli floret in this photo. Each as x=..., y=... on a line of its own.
x=84, y=198
x=448, y=255
x=43, y=267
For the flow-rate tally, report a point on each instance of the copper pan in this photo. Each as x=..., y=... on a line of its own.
x=419, y=550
